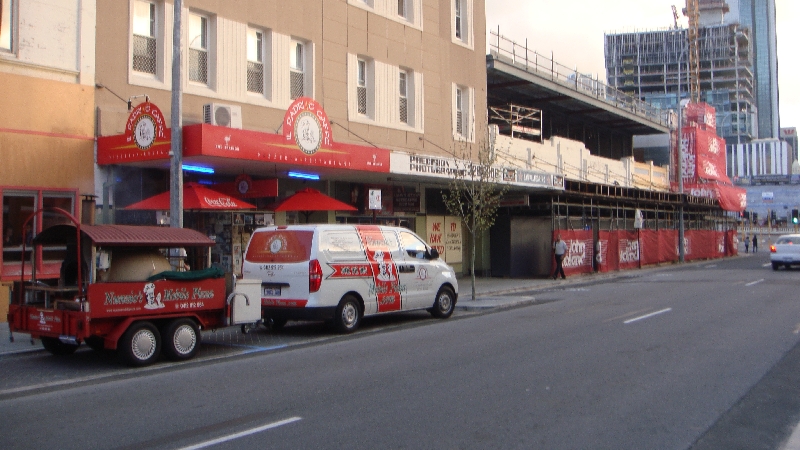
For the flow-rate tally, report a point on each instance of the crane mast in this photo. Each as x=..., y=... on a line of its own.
x=692, y=11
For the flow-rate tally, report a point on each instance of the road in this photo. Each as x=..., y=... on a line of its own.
x=699, y=356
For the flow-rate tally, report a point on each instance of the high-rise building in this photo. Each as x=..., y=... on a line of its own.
x=759, y=17
x=654, y=66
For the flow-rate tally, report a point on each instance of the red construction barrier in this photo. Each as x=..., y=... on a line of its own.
x=580, y=251
x=607, y=257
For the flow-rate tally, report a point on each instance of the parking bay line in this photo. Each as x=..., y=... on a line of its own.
x=754, y=282
x=647, y=316
x=241, y=434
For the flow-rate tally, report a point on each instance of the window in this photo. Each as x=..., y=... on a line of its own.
x=403, y=93
x=401, y=8
x=297, y=69
x=198, y=48
x=459, y=111
x=144, y=37
x=463, y=113
x=462, y=22
x=17, y=207
x=255, y=61
x=6, y=21
x=459, y=22
x=362, y=87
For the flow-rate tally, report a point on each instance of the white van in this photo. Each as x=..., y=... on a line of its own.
x=341, y=273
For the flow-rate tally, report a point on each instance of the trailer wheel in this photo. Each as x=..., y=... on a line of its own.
x=96, y=343
x=56, y=347
x=348, y=315
x=271, y=323
x=181, y=339
x=140, y=345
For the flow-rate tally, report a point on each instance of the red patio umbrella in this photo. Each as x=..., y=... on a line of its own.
x=311, y=200
x=195, y=197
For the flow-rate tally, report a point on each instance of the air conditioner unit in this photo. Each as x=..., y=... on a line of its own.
x=223, y=115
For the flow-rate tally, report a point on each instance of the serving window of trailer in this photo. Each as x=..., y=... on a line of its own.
x=18, y=205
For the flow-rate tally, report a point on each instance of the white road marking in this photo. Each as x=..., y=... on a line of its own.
x=646, y=316
x=241, y=434
x=766, y=265
x=711, y=266
x=754, y=282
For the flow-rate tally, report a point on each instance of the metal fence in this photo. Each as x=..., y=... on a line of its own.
x=522, y=57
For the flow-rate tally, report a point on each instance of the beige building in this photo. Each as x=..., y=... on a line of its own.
x=47, y=53
x=396, y=80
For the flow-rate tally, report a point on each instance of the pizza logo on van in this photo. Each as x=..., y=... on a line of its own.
x=277, y=243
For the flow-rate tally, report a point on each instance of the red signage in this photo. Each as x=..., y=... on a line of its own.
x=146, y=138
x=307, y=141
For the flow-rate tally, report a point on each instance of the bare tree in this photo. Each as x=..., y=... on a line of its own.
x=475, y=192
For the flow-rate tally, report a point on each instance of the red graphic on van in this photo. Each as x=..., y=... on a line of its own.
x=384, y=270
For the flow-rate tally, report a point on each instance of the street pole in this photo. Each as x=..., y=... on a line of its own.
x=176, y=125
x=681, y=247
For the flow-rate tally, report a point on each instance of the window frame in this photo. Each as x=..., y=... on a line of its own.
x=297, y=65
x=403, y=80
x=204, y=47
x=261, y=58
x=463, y=102
x=8, y=16
x=153, y=31
x=362, y=75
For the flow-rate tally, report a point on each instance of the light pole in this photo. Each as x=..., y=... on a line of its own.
x=681, y=246
x=176, y=125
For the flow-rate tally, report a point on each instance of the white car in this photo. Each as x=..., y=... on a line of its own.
x=341, y=273
x=785, y=251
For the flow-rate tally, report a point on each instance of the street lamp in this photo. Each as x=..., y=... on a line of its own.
x=681, y=104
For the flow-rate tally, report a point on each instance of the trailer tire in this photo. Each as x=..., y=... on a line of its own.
x=140, y=345
x=181, y=339
x=96, y=343
x=56, y=347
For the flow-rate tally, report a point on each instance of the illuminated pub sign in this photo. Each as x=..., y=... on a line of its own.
x=307, y=140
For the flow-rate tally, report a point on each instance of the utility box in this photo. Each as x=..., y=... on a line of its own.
x=246, y=308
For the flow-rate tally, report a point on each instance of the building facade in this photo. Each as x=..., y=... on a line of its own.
x=397, y=87
x=759, y=16
x=47, y=70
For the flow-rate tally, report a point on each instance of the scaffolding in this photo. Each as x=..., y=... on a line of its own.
x=655, y=65
x=518, y=121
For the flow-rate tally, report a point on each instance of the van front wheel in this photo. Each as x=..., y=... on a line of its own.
x=444, y=304
x=348, y=315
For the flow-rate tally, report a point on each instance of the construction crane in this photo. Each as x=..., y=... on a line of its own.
x=675, y=15
x=692, y=11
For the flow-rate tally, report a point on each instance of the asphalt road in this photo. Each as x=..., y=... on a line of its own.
x=701, y=356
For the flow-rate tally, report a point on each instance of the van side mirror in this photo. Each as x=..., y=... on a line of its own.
x=434, y=253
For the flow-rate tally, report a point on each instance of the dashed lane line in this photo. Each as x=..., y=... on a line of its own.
x=647, y=316
x=241, y=434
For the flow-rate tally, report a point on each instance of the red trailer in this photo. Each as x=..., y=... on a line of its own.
x=119, y=290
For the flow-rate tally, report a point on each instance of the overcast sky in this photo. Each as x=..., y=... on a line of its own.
x=573, y=30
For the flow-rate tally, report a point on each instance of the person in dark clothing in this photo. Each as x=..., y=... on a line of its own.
x=755, y=244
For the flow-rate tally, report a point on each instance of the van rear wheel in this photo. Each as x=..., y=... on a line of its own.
x=444, y=303
x=348, y=315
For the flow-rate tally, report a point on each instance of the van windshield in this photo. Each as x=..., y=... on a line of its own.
x=279, y=246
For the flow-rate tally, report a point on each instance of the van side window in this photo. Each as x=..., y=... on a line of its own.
x=413, y=246
x=342, y=246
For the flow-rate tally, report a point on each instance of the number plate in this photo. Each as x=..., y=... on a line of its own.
x=270, y=291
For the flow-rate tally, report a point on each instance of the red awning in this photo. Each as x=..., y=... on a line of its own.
x=311, y=200
x=195, y=197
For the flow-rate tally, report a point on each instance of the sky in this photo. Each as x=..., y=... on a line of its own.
x=573, y=31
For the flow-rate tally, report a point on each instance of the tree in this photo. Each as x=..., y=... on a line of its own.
x=475, y=192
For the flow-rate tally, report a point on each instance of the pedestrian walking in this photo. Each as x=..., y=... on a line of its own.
x=755, y=244
x=747, y=244
x=560, y=249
